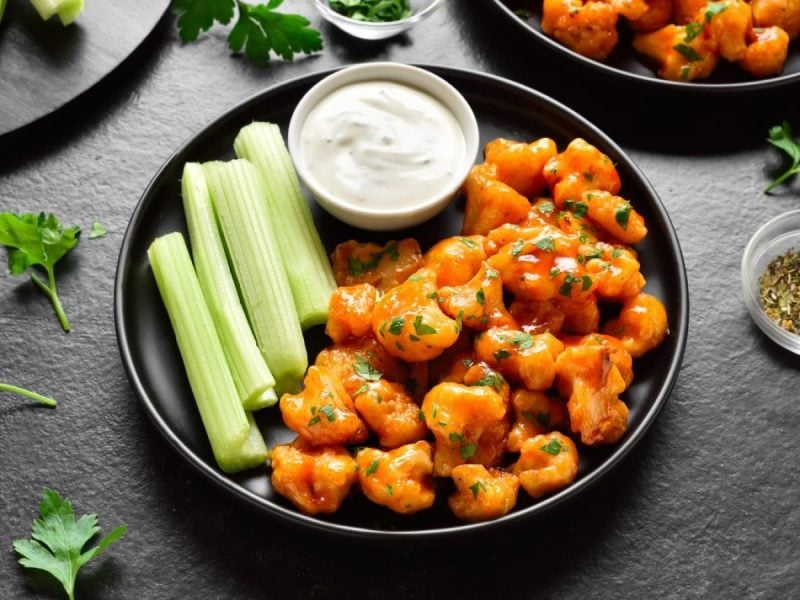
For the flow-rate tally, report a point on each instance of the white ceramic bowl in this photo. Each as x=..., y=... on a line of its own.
x=774, y=238
x=387, y=218
x=420, y=9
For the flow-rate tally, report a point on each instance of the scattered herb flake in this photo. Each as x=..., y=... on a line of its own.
x=554, y=447
x=396, y=325
x=477, y=487
x=468, y=450
x=546, y=243
x=365, y=370
x=501, y=355
x=687, y=52
x=421, y=328
x=622, y=215
x=98, y=230
x=373, y=466
x=480, y=297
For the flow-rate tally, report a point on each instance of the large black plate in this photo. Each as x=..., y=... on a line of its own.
x=503, y=108
x=626, y=65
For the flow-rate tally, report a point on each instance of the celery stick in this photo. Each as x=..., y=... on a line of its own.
x=237, y=195
x=2, y=9
x=305, y=259
x=251, y=375
x=226, y=423
x=67, y=10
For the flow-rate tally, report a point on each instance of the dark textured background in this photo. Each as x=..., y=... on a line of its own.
x=706, y=506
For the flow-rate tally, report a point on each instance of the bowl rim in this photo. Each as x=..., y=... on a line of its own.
x=353, y=532
x=425, y=81
x=324, y=8
x=759, y=245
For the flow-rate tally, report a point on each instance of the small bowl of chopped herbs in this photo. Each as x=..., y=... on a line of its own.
x=771, y=279
x=375, y=19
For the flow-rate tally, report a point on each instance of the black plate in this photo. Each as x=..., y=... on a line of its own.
x=625, y=64
x=44, y=65
x=503, y=108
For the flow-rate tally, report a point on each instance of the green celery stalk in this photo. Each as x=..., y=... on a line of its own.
x=237, y=195
x=2, y=9
x=251, y=375
x=304, y=257
x=67, y=10
x=233, y=440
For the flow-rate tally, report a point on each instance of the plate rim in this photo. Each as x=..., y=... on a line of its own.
x=653, y=83
x=295, y=517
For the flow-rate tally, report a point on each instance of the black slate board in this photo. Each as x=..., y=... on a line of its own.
x=44, y=65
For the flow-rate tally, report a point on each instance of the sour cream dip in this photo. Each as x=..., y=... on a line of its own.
x=382, y=144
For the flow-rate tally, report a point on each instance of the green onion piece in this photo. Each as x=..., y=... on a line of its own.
x=237, y=194
x=230, y=433
x=305, y=259
x=251, y=375
x=67, y=10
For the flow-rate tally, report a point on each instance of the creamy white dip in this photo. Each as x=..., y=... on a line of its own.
x=382, y=145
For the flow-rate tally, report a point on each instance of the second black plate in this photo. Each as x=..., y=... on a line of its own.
x=503, y=108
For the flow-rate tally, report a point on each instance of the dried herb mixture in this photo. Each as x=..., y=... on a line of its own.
x=780, y=290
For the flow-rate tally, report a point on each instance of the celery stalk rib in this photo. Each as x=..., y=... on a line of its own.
x=67, y=10
x=252, y=377
x=307, y=264
x=234, y=444
x=237, y=195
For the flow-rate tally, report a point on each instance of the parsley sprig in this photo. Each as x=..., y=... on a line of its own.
x=260, y=29
x=375, y=11
x=781, y=137
x=58, y=540
x=38, y=241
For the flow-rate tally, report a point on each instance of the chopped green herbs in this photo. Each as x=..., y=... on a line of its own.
x=365, y=370
x=468, y=243
x=374, y=11
x=98, y=230
x=779, y=287
x=579, y=209
x=546, y=243
x=713, y=9
x=480, y=297
x=421, y=328
x=468, y=450
x=501, y=355
x=622, y=215
x=585, y=282
x=554, y=447
x=491, y=379
x=687, y=52
x=373, y=466
x=546, y=208
x=780, y=136
x=396, y=325
x=693, y=29
x=477, y=487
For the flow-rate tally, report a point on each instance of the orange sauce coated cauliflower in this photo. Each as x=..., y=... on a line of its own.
x=315, y=479
x=323, y=413
x=547, y=463
x=490, y=202
x=458, y=416
x=390, y=411
x=455, y=259
x=357, y=361
x=399, y=479
x=766, y=53
x=641, y=324
x=408, y=322
x=589, y=28
x=535, y=413
x=592, y=374
x=520, y=165
x=478, y=304
x=482, y=494
x=350, y=314
x=578, y=169
x=382, y=266
x=528, y=359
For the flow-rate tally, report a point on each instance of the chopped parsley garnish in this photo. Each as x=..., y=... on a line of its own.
x=516, y=249
x=492, y=274
x=421, y=328
x=616, y=253
x=480, y=297
x=373, y=466
x=374, y=11
x=365, y=370
x=566, y=288
x=329, y=413
x=456, y=438
x=553, y=447
x=713, y=9
x=468, y=450
x=421, y=415
x=477, y=487
x=389, y=489
x=459, y=319
x=501, y=355
x=393, y=250
x=546, y=243
x=693, y=29
x=396, y=325
x=362, y=389
x=468, y=243
x=687, y=52
x=579, y=209
x=546, y=208
x=623, y=215
x=522, y=341
x=491, y=379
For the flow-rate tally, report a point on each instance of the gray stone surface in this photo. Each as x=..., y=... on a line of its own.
x=705, y=507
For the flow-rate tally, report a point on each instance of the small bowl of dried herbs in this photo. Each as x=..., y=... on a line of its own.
x=375, y=19
x=771, y=279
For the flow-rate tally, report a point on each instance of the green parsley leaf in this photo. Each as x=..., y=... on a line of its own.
x=468, y=450
x=38, y=240
x=687, y=52
x=421, y=328
x=477, y=487
x=579, y=209
x=522, y=341
x=260, y=29
x=389, y=489
x=693, y=29
x=491, y=273
x=468, y=243
x=195, y=16
x=393, y=250
x=58, y=540
x=365, y=370
x=516, y=249
x=547, y=208
x=713, y=9
x=13, y=389
x=616, y=253
x=480, y=297
x=98, y=230
x=553, y=447
x=396, y=325
x=781, y=137
x=546, y=243
x=373, y=466
x=623, y=215
x=491, y=379
x=501, y=355
x=456, y=438
x=329, y=412
x=375, y=11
